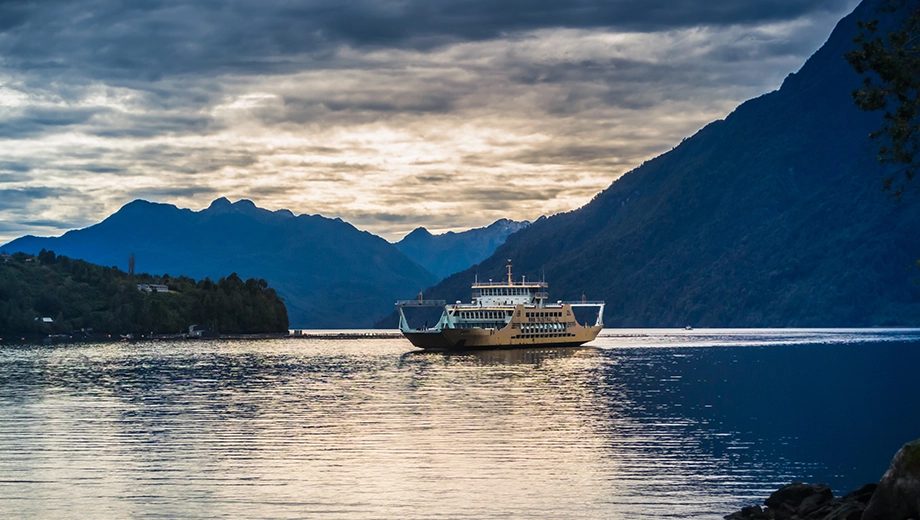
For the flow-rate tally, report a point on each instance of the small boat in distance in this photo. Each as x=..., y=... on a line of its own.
x=505, y=314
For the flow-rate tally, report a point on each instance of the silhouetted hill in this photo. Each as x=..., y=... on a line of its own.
x=772, y=217
x=330, y=274
x=451, y=252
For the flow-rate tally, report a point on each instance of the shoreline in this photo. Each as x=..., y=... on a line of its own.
x=81, y=338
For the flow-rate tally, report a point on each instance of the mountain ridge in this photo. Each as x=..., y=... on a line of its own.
x=330, y=274
x=773, y=216
x=450, y=252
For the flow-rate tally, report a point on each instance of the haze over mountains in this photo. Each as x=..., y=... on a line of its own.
x=450, y=252
x=772, y=217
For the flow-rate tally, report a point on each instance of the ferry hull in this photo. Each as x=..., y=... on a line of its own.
x=475, y=339
x=428, y=340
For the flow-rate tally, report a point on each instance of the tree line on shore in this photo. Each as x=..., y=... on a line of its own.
x=49, y=294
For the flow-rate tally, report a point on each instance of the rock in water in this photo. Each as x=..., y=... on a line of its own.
x=793, y=495
x=898, y=493
x=798, y=501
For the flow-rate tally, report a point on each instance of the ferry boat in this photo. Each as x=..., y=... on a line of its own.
x=506, y=314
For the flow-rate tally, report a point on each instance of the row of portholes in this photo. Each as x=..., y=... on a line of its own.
x=545, y=314
x=533, y=328
x=482, y=315
x=490, y=325
x=516, y=291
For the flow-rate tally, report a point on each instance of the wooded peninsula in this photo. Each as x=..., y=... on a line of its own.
x=49, y=294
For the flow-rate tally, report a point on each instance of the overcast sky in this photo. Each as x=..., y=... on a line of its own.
x=389, y=114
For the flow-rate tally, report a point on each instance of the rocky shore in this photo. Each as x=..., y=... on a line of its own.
x=895, y=497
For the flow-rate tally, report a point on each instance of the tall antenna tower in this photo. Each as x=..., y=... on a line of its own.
x=131, y=264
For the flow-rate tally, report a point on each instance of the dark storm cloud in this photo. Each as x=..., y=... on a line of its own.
x=150, y=125
x=55, y=224
x=25, y=197
x=383, y=217
x=148, y=40
x=190, y=160
x=35, y=120
x=14, y=172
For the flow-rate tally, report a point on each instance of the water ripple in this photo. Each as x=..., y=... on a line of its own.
x=645, y=424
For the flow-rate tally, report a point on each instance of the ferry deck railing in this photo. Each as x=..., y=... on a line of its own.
x=421, y=303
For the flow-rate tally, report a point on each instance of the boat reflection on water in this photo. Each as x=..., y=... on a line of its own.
x=513, y=356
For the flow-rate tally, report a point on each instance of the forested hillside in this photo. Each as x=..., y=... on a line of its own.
x=77, y=295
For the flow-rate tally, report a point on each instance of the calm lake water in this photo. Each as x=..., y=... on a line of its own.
x=644, y=424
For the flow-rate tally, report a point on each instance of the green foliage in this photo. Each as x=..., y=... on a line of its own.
x=891, y=83
x=80, y=295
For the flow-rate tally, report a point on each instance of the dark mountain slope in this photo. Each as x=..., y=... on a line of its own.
x=773, y=217
x=451, y=252
x=330, y=274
